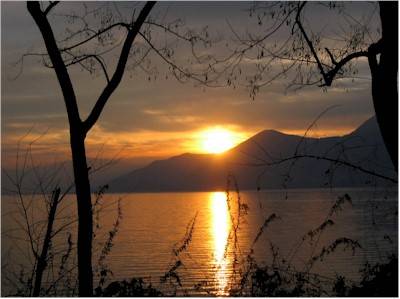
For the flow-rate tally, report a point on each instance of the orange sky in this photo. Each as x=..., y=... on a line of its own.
x=144, y=144
x=160, y=118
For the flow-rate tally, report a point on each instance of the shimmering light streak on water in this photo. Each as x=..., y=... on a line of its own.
x=220, y=233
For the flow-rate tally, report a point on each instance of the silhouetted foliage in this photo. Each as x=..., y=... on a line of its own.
x=135, y=287
x=380, y=280
x=39, y=220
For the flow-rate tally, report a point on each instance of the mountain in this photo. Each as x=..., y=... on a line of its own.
x=247, y=162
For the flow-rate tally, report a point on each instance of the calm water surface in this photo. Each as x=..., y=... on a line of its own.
x=153, y=224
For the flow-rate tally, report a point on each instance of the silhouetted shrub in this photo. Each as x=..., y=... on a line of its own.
x=380, y=280
x=136, y=287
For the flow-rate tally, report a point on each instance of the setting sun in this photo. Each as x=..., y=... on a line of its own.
x=217, y=140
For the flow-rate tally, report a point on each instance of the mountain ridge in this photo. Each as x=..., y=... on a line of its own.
x=208, y=172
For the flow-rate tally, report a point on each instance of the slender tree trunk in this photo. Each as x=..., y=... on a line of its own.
x=384, y=79
x=78, y=130
x=85, y=220
x=42, y=259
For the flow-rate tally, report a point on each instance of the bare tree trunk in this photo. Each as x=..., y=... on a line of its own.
x=85, y=219
x=42, y=259
x=79, y=129
x=384, y=79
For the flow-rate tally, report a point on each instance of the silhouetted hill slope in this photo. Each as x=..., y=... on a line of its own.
x=205, y=172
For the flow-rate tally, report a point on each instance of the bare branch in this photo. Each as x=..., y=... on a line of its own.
x=336, y=161
x=171, y=63
x=50, y=6
x=308, y=41
x=167, y=29
x=94, y=56
x=333, y=60
x=330, y=75
x=119, y=24
x=117, y=76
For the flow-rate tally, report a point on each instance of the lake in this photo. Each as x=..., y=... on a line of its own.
x=154, y=224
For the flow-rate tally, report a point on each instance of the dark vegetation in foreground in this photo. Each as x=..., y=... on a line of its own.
x=380, y=280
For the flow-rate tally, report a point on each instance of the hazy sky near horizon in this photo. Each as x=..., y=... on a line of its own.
x=160, y=118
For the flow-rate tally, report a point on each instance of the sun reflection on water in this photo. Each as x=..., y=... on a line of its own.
x=220, y=233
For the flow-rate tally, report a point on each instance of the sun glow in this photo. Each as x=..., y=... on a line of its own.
x=217, y=140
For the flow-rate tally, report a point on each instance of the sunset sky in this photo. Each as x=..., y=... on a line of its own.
x=146, y=120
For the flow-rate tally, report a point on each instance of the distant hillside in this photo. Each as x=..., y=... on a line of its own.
x=205, y=172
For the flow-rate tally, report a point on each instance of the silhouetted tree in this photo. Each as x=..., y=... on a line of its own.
x=35, y=230
x=304, y=55
x=79, y=129
x=87, y=46
x=383, y=72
